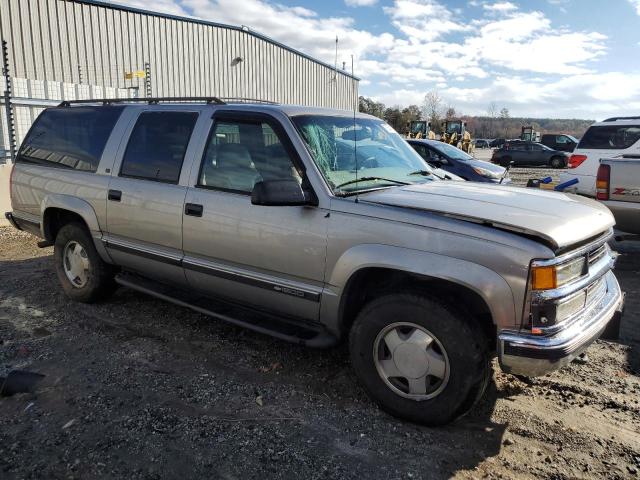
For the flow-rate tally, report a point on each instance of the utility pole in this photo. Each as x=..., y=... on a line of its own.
x=11, y=132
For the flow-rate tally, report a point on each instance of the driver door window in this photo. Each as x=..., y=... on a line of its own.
x=240, y=154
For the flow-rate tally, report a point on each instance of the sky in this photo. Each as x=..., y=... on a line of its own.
x=543, y=58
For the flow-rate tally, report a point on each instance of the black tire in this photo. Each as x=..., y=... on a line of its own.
x=504, y=162
x=99, y=283
x=465, y=344
x=556, y=162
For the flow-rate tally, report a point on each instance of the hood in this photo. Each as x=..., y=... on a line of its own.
x=557, y=218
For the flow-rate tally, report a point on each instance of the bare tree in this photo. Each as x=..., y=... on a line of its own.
x=492, y=113
x=450, y=113
x=432, y=108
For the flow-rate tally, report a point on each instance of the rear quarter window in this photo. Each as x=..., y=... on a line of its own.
x=69, y=137
x=610, y=137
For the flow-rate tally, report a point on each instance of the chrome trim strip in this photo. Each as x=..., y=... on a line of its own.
x=126, y=247
x=196, y=265
x=287, y=288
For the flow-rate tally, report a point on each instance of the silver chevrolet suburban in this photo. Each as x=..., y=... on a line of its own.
x=317, y=226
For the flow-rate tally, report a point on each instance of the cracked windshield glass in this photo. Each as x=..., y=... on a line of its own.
x=382, y=157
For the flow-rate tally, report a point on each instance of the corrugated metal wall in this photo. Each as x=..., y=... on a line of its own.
x=93, y=43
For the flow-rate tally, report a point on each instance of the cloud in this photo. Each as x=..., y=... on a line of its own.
x=360, y=3
x=301, y=28
x=528, y=42
x=423, y=20
x=501, y=7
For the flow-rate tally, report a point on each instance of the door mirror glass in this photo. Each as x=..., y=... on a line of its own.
x=278, y=193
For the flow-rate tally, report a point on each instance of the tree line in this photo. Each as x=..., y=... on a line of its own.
x=497, y=123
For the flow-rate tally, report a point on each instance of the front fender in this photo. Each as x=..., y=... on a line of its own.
x=489, y=285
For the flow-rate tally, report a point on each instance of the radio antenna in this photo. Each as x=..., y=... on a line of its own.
x=355, y=131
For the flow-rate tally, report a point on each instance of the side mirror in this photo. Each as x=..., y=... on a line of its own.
x=277, y=193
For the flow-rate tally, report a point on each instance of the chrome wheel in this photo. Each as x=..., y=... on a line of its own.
x=411, y=361
x=75, y=262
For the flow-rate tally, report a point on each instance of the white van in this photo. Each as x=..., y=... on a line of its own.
x=610, y=138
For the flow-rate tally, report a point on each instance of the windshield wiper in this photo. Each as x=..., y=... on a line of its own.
x=427, y=173
x=366, y=179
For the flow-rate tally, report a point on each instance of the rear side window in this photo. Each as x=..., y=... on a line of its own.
x=610, y=137
x=157, y=146
x=69, y=137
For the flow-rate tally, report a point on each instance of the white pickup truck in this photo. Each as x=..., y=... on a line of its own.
x=618, y=187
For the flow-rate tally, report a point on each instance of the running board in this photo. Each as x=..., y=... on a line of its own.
x=249, y=318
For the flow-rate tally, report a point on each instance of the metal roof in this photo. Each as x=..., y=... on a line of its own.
x=245, y=29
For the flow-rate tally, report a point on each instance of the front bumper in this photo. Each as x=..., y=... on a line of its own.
x=530, y=355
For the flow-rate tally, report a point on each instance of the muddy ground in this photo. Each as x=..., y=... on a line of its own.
x=138, y=388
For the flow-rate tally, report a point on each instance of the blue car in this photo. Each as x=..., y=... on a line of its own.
x=453, y=160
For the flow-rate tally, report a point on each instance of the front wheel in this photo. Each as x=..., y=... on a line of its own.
x=419, y=358
x=84, y=276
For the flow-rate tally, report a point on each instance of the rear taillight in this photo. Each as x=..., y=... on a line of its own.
x=576, y=160
x=602, y=182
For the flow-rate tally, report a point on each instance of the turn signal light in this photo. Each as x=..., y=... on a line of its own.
x=576, y=160
x=544, y=278
x=602, y=182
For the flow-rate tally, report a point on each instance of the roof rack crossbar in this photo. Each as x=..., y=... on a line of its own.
x=613, y=119
x=157, y=100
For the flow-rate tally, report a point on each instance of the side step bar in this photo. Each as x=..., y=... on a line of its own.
x=242, y=316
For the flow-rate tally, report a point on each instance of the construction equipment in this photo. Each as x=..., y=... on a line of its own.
x=420, y=129
x=454, y=133
x=528, y=134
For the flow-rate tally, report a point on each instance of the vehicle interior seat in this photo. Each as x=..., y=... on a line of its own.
x=233, y=168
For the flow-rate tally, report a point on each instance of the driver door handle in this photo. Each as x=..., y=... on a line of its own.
x=193, y=209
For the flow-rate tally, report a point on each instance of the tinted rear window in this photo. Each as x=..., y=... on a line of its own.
x=69, y=137
x=610, y=137
x=157, y=146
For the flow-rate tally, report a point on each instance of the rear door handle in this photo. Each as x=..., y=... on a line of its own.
x=114, y=195
x=193, y=209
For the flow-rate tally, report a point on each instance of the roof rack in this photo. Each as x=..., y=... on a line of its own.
x=157, y=100
x=613, y=119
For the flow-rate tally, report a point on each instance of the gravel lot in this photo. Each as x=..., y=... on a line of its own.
x=137, y=388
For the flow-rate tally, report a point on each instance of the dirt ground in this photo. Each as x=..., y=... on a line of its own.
x=138, y=388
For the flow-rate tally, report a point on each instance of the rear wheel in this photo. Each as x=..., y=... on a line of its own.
x=84, y=276
x=419, y=358
x=556, y=162
x=505, y=162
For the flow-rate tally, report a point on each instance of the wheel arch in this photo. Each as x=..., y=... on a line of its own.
x=58, y=210
x=485, y=293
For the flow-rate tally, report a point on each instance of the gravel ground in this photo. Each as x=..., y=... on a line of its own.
x=138, y=388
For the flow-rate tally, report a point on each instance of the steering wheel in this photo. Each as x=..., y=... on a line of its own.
x=369, y=162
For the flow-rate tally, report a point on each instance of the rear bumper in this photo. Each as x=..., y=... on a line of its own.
x=627, y=215
x=530, y=355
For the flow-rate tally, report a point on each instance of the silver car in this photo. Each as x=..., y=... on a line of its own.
x=317, y=226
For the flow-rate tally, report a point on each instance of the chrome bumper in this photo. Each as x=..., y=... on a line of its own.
x=530, y=355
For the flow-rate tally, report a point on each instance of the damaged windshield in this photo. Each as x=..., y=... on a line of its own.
x=381, y=156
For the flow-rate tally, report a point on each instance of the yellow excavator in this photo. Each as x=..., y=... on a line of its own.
x=420, y=129
x=454, y=133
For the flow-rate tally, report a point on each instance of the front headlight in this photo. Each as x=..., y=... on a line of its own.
x=483, y=172
x=549, y=277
